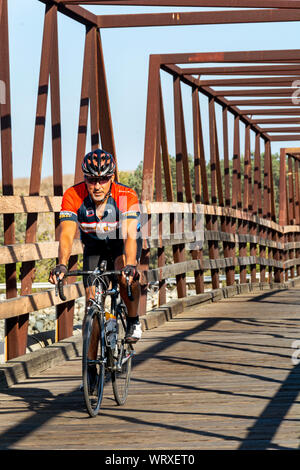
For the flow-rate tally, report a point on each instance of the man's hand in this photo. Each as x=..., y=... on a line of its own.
x=129, y=271
x=57, y=273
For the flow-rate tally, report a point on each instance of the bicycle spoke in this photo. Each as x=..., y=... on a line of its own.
x=121, y=367
x=93, y=369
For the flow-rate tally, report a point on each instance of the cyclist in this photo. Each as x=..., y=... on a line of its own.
x=107, y=214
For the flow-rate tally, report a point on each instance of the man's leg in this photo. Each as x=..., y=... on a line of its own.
x=134, y=327
x=90, y=263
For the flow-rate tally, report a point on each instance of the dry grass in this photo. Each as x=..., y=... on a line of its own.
x=21, y=185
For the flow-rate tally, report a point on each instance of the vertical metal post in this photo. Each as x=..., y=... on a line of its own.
x=255, y=195
x=106, y=127
x=243, y=225
x=12, y=325
x=198, y=149
x=212, y=221
x=226, y=225
x=28, y=268
x=181, y=156
x=236, y=178
x=151, y=136
x=162, y=294
x=297, y=208
x=64, y=311
x=84, y=105
x=282, y=205
x=268, y=193
x=291, y=198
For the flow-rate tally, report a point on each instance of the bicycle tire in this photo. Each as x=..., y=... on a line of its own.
x=121, y=377
x=93, y=386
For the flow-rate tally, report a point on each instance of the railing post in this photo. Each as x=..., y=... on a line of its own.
x=226, y=221
x=150, y=149
x=297, y=213
x=212, y=223
x=282, y=208
x=181, y=170
x=13, y=326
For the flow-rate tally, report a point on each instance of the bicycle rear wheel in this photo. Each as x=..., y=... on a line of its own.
x=121, y=366
x=93, y=356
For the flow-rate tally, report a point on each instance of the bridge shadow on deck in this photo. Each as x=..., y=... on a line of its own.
x=274, y=413
x=45, y=405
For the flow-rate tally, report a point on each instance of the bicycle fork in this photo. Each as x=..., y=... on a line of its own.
x=123, y=358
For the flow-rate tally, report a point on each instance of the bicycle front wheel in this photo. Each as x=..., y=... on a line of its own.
x=93, y=361
x=121, y=365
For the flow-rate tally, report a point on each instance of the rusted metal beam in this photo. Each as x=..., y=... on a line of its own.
x=165, y=151
x=28, y=268
x=94, y=94
x=106, y=126
x=287, y=92
x=271, y=56
x=211, y=220
x=77, y=13
x=281, y=111
x=197, y=18
x=13, y=327
x=279, y=138
x=199, y=152
x=284, y=120
x=84, y=104
x=199, y=168
x=181, y=165
x=262, y=102
x=192, y=3
x=292, y=151
x=281, y=129
x=150, y=149
x=252, y=82
x=151, y=128
x=243, y=70
x=226, y=221
x=282, y=189
x=209, y=92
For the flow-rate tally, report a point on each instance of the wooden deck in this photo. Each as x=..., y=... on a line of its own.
x=219, y=376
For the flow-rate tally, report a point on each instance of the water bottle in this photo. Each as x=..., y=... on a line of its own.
x=111, y=329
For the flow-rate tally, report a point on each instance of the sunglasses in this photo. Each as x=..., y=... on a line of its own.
x=97, y=179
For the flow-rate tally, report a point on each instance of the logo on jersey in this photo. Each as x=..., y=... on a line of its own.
x=89, y=212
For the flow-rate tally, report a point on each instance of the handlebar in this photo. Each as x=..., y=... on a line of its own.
x=59, y=287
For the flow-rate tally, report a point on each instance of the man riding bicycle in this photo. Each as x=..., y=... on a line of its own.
x=107, y=214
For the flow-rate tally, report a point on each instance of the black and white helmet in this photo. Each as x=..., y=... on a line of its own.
x=98, y=163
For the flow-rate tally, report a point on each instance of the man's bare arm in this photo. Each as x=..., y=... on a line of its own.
x=66, y=237
x=67, y=234
x=129, y=232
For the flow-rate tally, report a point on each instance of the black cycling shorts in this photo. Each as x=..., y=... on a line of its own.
x=105, y=251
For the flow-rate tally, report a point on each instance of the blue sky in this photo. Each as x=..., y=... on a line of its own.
x=126, y=55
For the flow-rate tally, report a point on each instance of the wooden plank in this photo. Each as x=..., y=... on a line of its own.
x=34, y=251
x=154, y=275
x=29, y=204
x=224, y=391
x=34, y=302
x=45, y=204
x=48, y=250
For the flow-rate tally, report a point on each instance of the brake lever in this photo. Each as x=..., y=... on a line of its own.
x=59, y=289
x=129, y=291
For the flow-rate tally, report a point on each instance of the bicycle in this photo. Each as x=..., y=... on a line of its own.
x=107, y=330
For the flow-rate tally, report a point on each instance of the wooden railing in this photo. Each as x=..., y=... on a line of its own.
x=271, y=250
x=228, y=220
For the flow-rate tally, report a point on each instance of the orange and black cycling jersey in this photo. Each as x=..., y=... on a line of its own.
x=78, y=206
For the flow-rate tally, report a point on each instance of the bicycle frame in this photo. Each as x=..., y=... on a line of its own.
x=115, y=354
